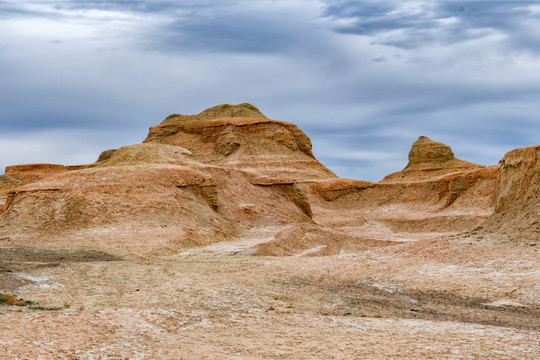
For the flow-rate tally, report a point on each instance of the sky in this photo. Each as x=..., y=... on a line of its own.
x=363, y=79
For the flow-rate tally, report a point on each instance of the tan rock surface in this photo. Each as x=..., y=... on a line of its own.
x=7, y=184
x=518, y=180
x=33, y=172
x=517, y=215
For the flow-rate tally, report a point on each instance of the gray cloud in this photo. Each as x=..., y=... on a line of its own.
x=412, y=24
x=362, y=79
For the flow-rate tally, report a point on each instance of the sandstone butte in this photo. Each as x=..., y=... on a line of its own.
x=214, y=176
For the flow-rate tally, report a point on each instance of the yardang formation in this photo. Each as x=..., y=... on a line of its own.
x=212, y=177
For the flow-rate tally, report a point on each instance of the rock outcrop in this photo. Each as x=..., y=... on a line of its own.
x=435, y=193
x=241, y=137
x=178, y=189
x=518, y=180
x=517, y=212
x=429, y=159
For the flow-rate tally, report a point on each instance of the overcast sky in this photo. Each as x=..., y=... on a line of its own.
x=363, y=79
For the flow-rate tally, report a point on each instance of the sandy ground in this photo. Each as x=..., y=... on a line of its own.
x=431, y=299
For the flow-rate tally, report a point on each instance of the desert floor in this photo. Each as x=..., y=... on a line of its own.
x=453, y=298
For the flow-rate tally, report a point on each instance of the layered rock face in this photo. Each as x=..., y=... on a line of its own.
x=241, y=137
x=517, y=211
x=229, y=171
x=518, y=180
x=7, y=184
x=33, y=172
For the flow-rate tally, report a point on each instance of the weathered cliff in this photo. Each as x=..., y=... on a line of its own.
x=517, y=215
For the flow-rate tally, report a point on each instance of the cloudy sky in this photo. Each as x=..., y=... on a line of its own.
x=363, y=79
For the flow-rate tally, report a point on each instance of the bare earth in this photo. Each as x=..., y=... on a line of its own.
x=430, y=299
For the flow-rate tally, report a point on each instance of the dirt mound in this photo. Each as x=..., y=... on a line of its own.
x=519, y=225
x=429, y=159
x=160, y=205
x=312, y=240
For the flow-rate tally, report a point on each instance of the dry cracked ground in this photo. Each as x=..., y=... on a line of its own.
x=452, y=298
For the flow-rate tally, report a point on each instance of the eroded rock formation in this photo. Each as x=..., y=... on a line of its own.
x=219, y=174
x=517, y=211
x=240, y=137
x=518, y=180
x=428, y=159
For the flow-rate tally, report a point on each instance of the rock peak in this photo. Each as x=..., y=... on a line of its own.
x=241, y=137
x=430, y=159
x=218, y=112
x=426, y=150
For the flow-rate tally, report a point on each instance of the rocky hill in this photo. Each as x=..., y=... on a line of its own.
x=218, y=175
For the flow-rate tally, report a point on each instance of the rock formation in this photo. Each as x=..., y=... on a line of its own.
x=517, y=210
x=240, y=137
x=428, y=159
x=178, y=189
x=229, y=170
x=518, y=180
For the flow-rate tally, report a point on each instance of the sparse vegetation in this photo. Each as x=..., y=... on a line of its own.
x=42, y=308
x=6, y=299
